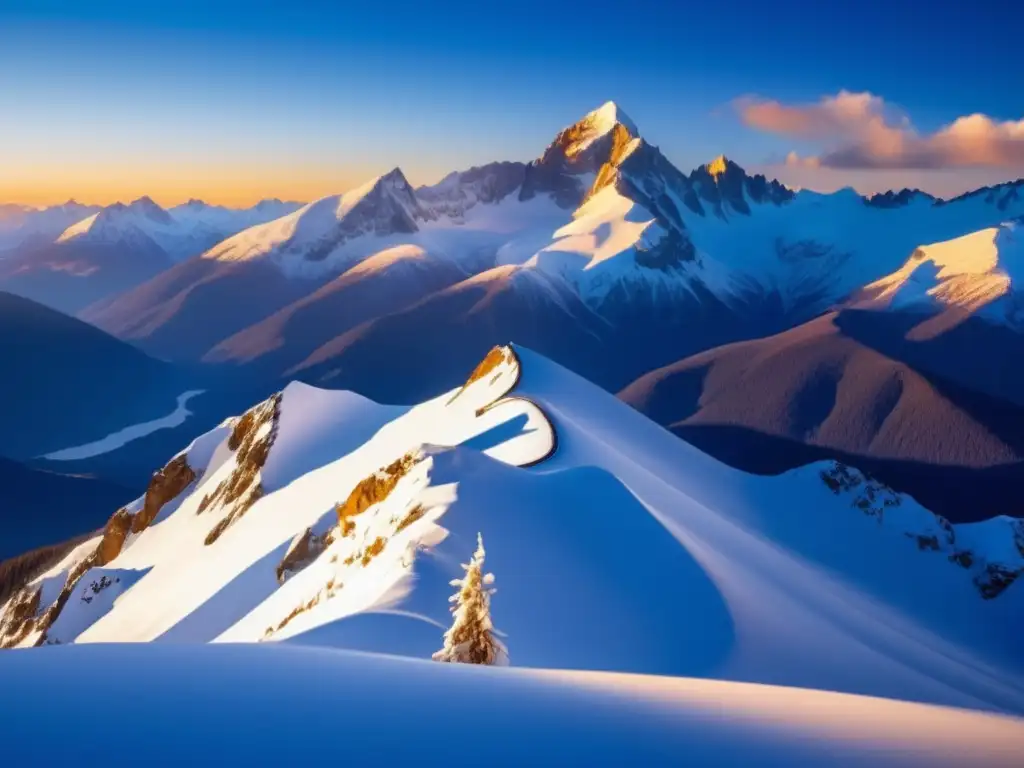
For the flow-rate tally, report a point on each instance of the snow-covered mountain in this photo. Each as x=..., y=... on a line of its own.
x=979, y=274
x=379, y=285
x=196, y=213
x=310, y=240
x=704, y=258
x=322, y=519
x=185, y=231
x=931, y=350
x=526, y=216
x=459, y=191
x=23, y=226
x=107, y=251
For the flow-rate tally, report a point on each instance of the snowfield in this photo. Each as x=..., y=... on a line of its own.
x=256, y=705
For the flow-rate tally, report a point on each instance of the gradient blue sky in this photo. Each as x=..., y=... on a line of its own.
x=238, y=101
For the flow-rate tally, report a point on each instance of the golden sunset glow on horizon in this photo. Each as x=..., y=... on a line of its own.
x=234, y=185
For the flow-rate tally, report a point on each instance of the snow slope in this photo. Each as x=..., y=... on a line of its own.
x=979, y=273
x=322, y=518
x=22, y=226
x=818, y=248
x=310, y=240
x=274, y=706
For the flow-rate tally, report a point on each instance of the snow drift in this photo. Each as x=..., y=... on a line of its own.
x=292, y=706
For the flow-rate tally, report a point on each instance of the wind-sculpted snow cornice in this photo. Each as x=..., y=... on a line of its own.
x=503, y=397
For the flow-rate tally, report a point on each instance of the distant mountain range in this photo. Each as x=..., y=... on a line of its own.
x=605, y=257
x=71, y=256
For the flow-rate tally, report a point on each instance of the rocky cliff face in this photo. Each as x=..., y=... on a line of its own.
x=891, y=199
x=564, y=169
x=32, y=610
x=1002, y=196
x=251, y=440
x=459, y=191
x=390, y=207
x=725, y=188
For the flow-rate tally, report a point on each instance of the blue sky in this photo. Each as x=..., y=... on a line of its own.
x=245, y=100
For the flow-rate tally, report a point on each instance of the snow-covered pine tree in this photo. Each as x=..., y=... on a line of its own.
x=471, y=638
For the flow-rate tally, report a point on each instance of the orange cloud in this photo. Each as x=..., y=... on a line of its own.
x=859, y=130
x=842, y=115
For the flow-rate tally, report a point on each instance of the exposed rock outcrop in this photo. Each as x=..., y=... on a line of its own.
x=25, y=614
x=873, y=498
x=495, y=357
x=891, y=199
x=251, y=440
x=18, y=571
x=725, y=186
x=375, y=488
x=390, y=207
x=114, y=534
x=993, y=580
x=869, y=496
x=166, y=484
x=304, y=549
x=582, y=148
x=20, y=617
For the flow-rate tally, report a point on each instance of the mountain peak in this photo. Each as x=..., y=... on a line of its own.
x=606, y=117
x=384, y=205
x=727, y=186
x=894, y=199
x=583, y=147
x=396, y=177
x=721, y=166
x=718, y=166
x=147, y=207
x=144, y=202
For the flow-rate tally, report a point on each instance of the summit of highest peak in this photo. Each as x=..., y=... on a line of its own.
x=607, y=116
